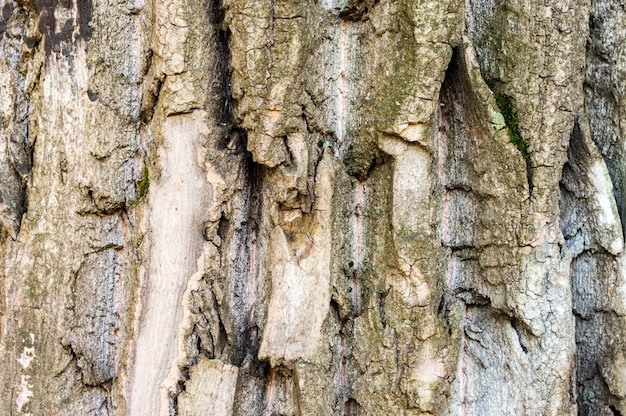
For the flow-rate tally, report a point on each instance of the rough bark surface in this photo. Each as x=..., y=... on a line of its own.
x=333, y=207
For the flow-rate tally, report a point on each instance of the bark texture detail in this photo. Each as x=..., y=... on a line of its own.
x=333, y=207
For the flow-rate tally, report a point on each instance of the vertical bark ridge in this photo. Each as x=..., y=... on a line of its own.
x=74, y=328
x=594, y=245
x=603, y=89
x=597, y=268
x=17, y=143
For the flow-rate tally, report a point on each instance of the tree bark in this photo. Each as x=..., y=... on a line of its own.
x=341, y=207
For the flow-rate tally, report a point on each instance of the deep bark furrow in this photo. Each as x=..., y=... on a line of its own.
x=594, y=246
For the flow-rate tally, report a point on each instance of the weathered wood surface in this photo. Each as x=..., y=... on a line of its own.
x=260, y=207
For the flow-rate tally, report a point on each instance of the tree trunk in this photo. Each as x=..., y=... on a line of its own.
x=342, y=207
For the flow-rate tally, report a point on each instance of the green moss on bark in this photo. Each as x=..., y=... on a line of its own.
x=505, y=105
x=143, y=184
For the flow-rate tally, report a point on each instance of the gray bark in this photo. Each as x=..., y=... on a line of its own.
x=334, y=207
